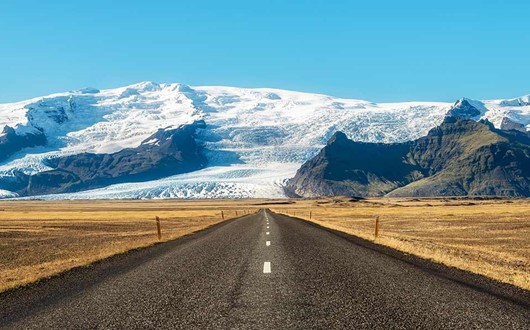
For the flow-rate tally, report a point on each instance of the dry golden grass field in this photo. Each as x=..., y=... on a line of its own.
x=39, y=239
x=488, y=237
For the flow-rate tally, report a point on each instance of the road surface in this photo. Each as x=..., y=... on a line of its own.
x=265, y=271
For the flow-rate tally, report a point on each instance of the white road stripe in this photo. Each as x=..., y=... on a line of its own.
x=267, y=233
x=268, y=243
x=267, y=227
x=266, y=267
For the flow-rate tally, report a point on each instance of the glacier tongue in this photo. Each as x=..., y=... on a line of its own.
x=7, y=194
x=236, y=181
x=255, y=138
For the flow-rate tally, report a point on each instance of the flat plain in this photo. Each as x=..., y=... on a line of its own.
x=487, y=237
x=41, y=238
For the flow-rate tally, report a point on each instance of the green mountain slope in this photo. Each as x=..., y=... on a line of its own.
x=460, y=157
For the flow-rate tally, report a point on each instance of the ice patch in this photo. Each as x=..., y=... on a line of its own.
x=4, y=194
x=238, y=181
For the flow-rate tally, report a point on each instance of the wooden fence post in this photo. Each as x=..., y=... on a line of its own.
x=158, y=229
x=376, y=226
x=222, y=215
x=310, y=215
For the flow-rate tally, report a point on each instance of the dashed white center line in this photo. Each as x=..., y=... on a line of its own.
x=266, y=267
x=268, y=243
x=267, y=227
x=267, y=233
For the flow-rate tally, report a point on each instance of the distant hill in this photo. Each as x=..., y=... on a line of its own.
x=458, y=158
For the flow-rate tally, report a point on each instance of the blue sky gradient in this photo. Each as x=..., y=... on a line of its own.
x=373, y=50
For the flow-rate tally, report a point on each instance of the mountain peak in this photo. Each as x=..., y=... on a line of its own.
x=517, y=102
x=148, y=86
x=89, y=90
x=465, y=108
x=337, y=137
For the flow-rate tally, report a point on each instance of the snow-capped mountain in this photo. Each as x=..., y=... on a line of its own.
x=254, y=139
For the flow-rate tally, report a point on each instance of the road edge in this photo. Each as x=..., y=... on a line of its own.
x=475, y=281
x=36, y=295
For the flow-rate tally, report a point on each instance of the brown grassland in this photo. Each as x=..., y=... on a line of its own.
x=40, y=238
x=489, y=237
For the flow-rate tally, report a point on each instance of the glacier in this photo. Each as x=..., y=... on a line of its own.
x=255, y=138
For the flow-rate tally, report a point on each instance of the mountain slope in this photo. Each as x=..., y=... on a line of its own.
x=167, y=152
x=358, y=169
x=253, y=139
x=459, y=157
x=11, y=142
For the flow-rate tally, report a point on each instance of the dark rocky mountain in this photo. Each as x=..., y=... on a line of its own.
x=458, y=158
x=165, y=153
x=464, y=109
x=11, y=142
x=507, y=124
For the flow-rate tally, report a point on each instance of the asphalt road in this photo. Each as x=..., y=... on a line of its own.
x=229, y=277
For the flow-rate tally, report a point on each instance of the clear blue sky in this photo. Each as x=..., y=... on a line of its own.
x=374, y=50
